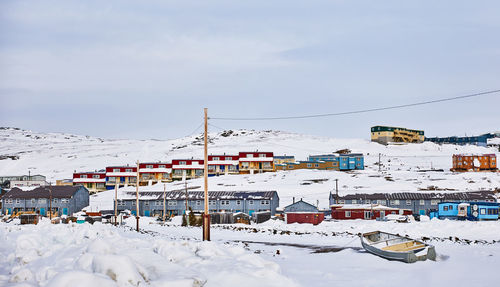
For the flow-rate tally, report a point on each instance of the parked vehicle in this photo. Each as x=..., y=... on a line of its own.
x=395, y=247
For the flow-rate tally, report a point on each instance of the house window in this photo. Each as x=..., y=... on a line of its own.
x=238, y=202
x=96, y=176
x=198, y=172
x=250, y=202
x=149, y=166
x=266, y=165
x=422, y=202
x=116, y=170
x=229, y=158
x=264, y=202
x=445, y=208
x=245, y=164
x=367, y=201
x=54, y=200
x=42, y=200
x=182, y=163
x=33, y=200
x=146, y=203
x=434, y=202
x=262, y=155
x=198, y=202
x=354, y=201
x=341, y=201
x=172, y=203
x=128, y=170
x=10, y=201
x=215, y=158
x=309, y=165
x=212, y=202
x=381, y=202
x=121, y=203
x=18, y=200
x=83, y=176
x=316, y=165
x=450, y=207
x=482, y=211
x=347, y=214
x=64, y=200
x=408, y=202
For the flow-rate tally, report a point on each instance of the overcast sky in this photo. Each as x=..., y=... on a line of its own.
x=146, y=69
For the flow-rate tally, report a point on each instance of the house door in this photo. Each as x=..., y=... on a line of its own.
x=65, y=211
x=8, y=211
x=368, y=215
x=146, y=213
x=42, y=211
x=260, y=165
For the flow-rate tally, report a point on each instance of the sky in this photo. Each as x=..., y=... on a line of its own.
x=146, y=69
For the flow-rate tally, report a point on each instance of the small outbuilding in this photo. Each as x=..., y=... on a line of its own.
x=303, y=212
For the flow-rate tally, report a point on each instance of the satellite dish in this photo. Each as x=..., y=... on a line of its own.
x=474, y=207
x=475, y=213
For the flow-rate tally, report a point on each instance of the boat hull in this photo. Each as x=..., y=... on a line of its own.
x=420, y=254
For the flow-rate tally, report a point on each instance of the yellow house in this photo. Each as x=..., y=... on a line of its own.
x=385, y=135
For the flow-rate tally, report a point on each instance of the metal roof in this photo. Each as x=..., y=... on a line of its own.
x=199, y=195
x=58, y=191
x=469, y=195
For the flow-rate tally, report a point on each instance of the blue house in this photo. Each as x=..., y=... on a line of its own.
x=151, y=202
x=474, y=211
x=350, y=161
x=66, y=200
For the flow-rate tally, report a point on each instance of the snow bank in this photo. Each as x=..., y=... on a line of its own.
x=102, y=255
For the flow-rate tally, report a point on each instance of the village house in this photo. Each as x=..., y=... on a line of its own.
x=66, y=200
x=183, y=169
x=154, y=172
x=151, y=202
x=348, y=161
x=418, y=202
x=283, y=159
x=485, y=162
x=364, y=211
x=386, y=135
x=256, y=162
x=474, y=211
x=23, y=181
x=121, y=176
x=223, y=164
x=93, y=181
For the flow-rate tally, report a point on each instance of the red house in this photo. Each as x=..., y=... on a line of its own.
x=364, y=211
x=256, y=162
x=314, y=218
x=187, y=168
x=154, y=172
x=223, y=164
x=93, y=181
x=121, y=175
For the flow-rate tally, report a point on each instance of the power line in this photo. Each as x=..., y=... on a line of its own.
x=358, y=111
x=195, y=130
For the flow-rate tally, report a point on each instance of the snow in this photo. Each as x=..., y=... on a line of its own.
x=170, y=255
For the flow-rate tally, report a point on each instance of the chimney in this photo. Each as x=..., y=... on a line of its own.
x=294, y=199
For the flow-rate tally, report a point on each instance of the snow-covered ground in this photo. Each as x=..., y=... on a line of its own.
x=58, y=155
x=269, y=254
x=171, y=255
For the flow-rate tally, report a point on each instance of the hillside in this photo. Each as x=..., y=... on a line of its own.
x=57, y=155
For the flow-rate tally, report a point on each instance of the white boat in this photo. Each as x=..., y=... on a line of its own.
x=395, y=247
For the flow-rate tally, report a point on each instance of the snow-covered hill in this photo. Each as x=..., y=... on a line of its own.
x=57, y=155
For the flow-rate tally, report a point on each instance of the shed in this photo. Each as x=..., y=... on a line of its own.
x=300, y=206
x=29, y=218
x=241, y=217
x=261, y=216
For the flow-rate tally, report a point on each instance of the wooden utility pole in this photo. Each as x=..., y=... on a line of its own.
x=206, y=215
x=50, y=201
x=137, y=197
x=164, y=202
x=116, y=203
x=336, y=191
